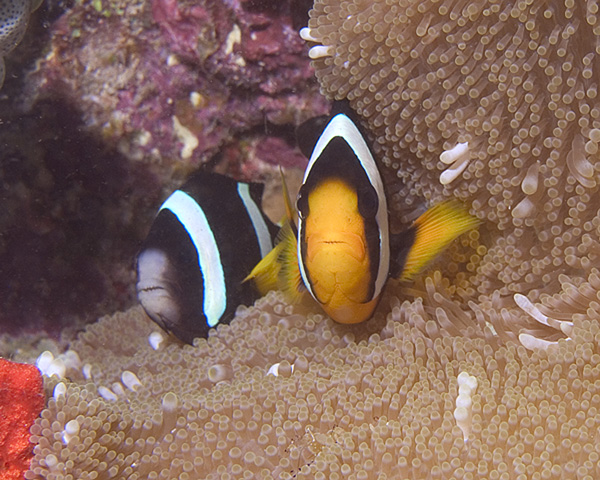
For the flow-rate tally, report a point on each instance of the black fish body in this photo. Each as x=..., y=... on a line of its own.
x=204, y=241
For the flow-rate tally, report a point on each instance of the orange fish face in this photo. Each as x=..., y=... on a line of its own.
x=337, y=260
x=343, y=237
x=343, y=310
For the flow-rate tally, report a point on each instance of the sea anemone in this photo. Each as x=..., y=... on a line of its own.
x=490, y=102
x=486, y=367
x=283, y=392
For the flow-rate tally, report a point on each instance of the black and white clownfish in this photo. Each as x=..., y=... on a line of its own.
x=342, y=250
x=205, y=238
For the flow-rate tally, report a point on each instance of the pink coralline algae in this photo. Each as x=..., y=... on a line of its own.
x=176, y=80
x=185, y=29
x=276, y=151
x=21, y=401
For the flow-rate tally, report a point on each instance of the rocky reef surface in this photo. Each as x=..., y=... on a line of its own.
x=107, y=106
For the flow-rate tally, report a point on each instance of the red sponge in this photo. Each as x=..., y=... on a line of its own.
x=21, y=401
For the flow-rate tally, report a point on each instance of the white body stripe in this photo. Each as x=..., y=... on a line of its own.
x=342, y=126
x=193, y=219
x=258, y=222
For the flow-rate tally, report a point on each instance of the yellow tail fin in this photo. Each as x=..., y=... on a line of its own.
x=434, y=231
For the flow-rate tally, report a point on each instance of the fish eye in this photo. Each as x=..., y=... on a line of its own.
x=368, y=202
x=302, y=203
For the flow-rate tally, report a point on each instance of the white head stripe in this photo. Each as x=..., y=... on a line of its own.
x=303, y=273
x=258, y=222
x=193, y=219
x=342, y=126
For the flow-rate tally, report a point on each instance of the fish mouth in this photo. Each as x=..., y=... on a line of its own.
x=348, y=243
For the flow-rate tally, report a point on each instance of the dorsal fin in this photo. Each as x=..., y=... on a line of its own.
x=290, y=211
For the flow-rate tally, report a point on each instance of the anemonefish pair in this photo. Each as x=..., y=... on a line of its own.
x=205, y=239
x=342, y=251
x=194, y=265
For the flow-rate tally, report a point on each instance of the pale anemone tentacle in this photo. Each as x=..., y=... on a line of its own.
x=458, y=159
x=400, y=376
x=131, y=381
x=316, y=51
x=71, y=429
x=118, y=390
x=59, y=390
x=533, y=343
x=156, y=340
x=306, y=34
x=530, y=341
x=87, y=371
x=320, y=51
x=59, y=365
x=107, y=394
x=467, y=386
x=455, y=153
x=523, y=302
x=525, y=208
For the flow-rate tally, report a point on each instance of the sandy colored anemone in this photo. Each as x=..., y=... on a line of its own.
x=485, y=368
x=285, y=393
x=515, y=80
x=492, y=102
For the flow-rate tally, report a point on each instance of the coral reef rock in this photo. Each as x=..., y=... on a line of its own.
x=172, y=82
x=14, y=16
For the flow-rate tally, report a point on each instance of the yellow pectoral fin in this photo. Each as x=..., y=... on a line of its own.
x=434, y=231
x=279, y=270
x=289, y=278
x=266, y=272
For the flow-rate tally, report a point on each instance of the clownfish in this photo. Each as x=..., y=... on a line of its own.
x=206, y=237
x=343, y=246
x=342, y=251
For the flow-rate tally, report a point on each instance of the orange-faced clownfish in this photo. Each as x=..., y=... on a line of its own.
x=343, y=248
x=343, y=251
x=205, y=238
